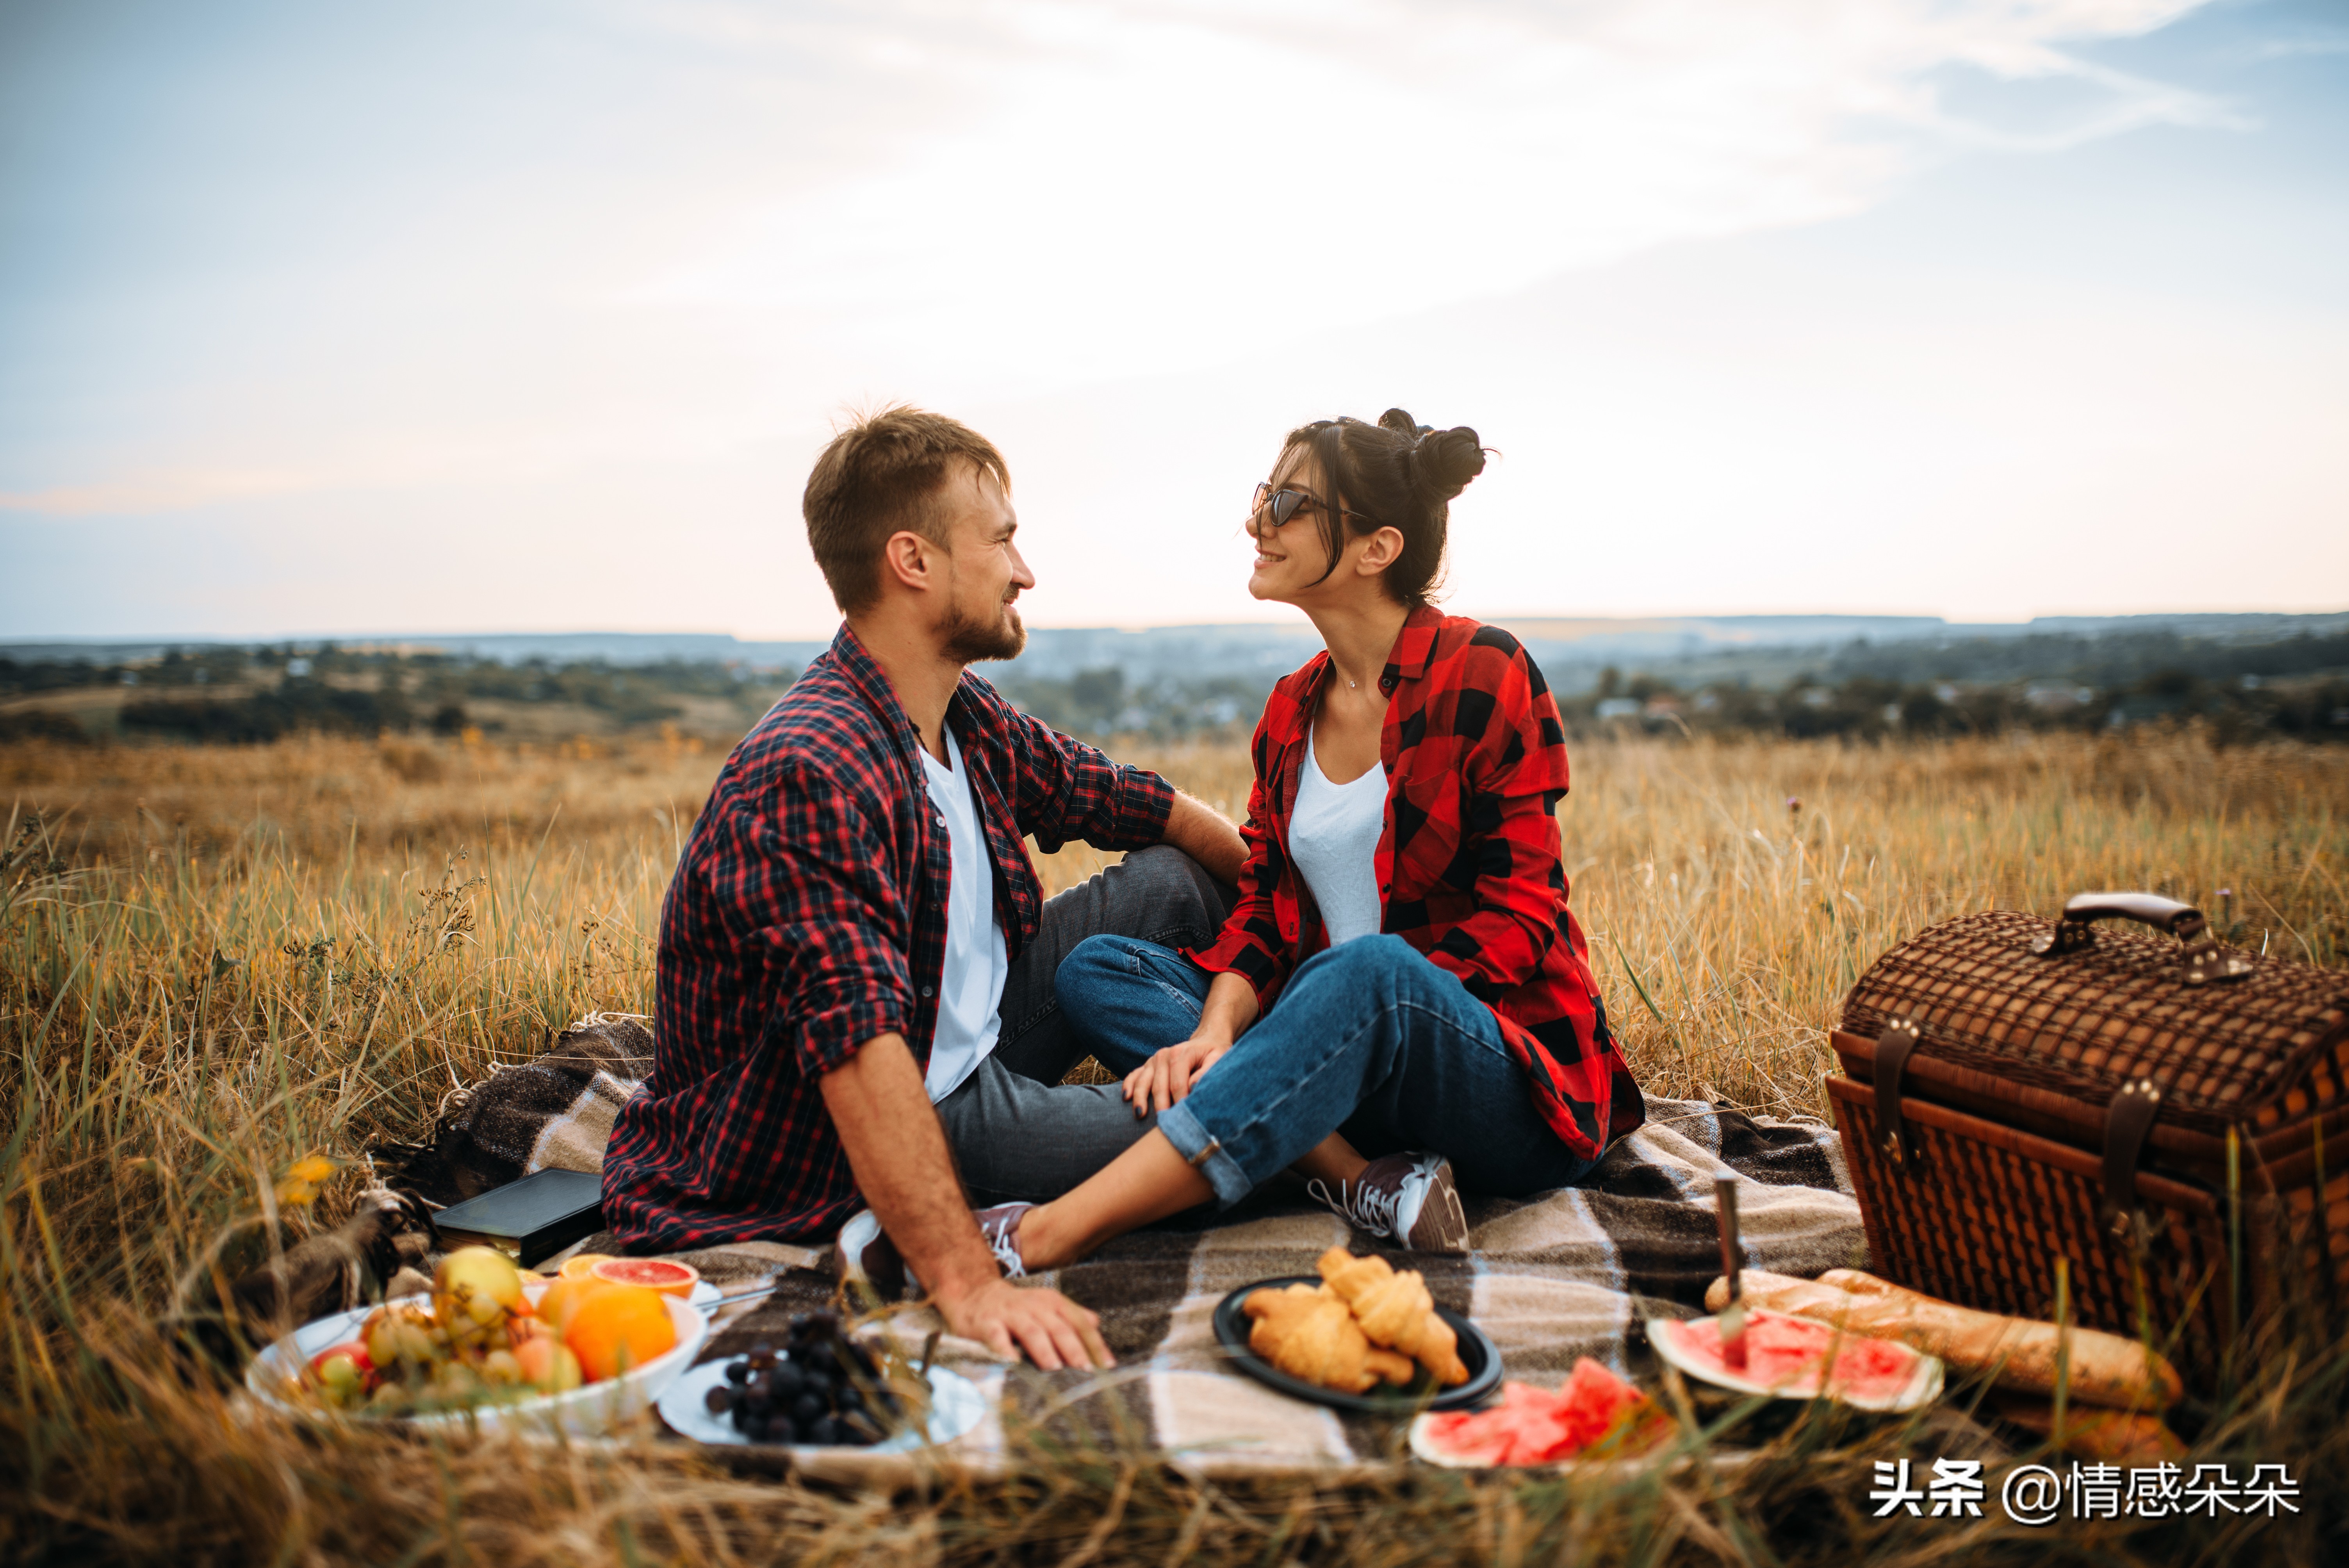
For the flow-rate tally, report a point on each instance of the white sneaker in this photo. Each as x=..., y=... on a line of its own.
x=1407, y=1197
x=864, y=1254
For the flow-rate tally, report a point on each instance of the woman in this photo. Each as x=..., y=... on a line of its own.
x=1400, y=995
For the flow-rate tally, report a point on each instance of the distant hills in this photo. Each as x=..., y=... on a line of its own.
x=1805, y=675
x=1573, y=651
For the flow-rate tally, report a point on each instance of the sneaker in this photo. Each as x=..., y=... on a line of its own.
x=999, y=1228
x=1408, y=1197
x=866, y=1255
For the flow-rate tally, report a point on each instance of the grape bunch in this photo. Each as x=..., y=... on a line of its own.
x=822, y=1388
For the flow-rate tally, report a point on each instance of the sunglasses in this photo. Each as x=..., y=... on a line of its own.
x=1274, y=508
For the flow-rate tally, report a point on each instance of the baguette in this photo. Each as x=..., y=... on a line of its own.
x=2107, y=1437
x=2106, y=1369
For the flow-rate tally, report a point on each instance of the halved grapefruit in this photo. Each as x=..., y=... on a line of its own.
x=662, y=1274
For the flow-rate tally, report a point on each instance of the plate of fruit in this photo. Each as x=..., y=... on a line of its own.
x=492, y=1347
x=819, y=1389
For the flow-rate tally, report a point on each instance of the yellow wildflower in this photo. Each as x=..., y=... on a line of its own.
x=302, y=1180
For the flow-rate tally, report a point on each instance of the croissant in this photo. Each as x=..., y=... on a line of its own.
x=1308, y=1333
x=1395, y=1310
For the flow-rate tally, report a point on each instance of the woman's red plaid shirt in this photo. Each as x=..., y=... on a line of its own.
x=1468, y=862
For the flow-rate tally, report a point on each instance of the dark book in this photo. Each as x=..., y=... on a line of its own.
x=532, y=1218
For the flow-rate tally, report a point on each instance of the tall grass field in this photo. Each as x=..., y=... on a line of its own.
x=216, y=962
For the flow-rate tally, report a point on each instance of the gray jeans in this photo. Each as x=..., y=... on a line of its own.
x=1017, y=1132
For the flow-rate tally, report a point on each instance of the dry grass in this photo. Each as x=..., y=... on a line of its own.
x=214, y=962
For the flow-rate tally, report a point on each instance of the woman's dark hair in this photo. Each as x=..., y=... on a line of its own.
x=1396, y=474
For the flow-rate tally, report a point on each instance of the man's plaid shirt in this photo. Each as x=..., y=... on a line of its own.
x=808, y=915
x=1468, y=864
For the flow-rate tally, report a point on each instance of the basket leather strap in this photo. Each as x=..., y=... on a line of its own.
x=2128, y=1119
x=1892, y=1134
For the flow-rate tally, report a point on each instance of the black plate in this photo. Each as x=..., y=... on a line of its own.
x=1477, y=1352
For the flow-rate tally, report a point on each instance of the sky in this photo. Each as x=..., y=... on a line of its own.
x=484, y=315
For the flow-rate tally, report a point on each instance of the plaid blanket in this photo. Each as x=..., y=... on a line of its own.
x=553, y=1112
x=1571, y=1274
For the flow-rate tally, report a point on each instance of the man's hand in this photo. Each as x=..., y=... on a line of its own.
x=898, y=1154
x=1054, y=1331
x=1167, y=1077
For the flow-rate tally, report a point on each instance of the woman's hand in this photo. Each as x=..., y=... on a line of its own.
x=1169, y=1074
x=1167, y=1077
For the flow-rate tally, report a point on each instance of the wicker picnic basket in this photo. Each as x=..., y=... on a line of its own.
x=2172, y=1116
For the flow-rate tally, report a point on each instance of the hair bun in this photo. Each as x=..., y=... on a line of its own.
x=1445, y=461
x=1401, y=424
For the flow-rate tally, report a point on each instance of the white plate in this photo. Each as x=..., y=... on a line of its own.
x=956, y=1406
x=589, y=1410
x=1923, y=1387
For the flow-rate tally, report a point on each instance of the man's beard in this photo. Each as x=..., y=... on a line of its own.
x=969, y=639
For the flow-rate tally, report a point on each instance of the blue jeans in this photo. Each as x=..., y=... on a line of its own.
x=1368, y=1038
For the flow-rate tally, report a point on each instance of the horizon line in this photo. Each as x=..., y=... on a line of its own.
x=1659, y=619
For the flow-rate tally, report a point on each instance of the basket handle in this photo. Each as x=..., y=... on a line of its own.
x=2201, y=958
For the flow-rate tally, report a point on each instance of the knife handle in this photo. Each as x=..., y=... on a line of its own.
x=1724, y=1203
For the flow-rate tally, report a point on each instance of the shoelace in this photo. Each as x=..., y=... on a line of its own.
x=1007, y=1251
x=1367, y=1206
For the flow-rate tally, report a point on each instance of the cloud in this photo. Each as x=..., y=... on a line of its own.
x=156, y=493
x=503, y=249
x=1149, y=186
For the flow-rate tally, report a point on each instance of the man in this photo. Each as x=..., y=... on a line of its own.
x=854, y=933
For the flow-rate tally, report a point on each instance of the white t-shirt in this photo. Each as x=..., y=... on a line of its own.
x=970, y=991
x=1333, y=835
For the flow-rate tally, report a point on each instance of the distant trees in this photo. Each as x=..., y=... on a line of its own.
x=1868, y=707
x=297, y=704
x=2289, y=686
x=236, y=695
x=1101, y=702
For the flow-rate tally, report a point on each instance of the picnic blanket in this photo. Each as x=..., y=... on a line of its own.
x=1564, y=1274
x=553, y=1112
x=1569, y=1273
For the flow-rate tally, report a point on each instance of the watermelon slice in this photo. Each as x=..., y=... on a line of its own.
x=1533, y=1426
x=1796, y=1358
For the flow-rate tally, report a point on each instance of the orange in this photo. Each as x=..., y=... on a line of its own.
x=618, y=1327
x=654, y=1274
x=563, y=1298
x=582, y=1265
